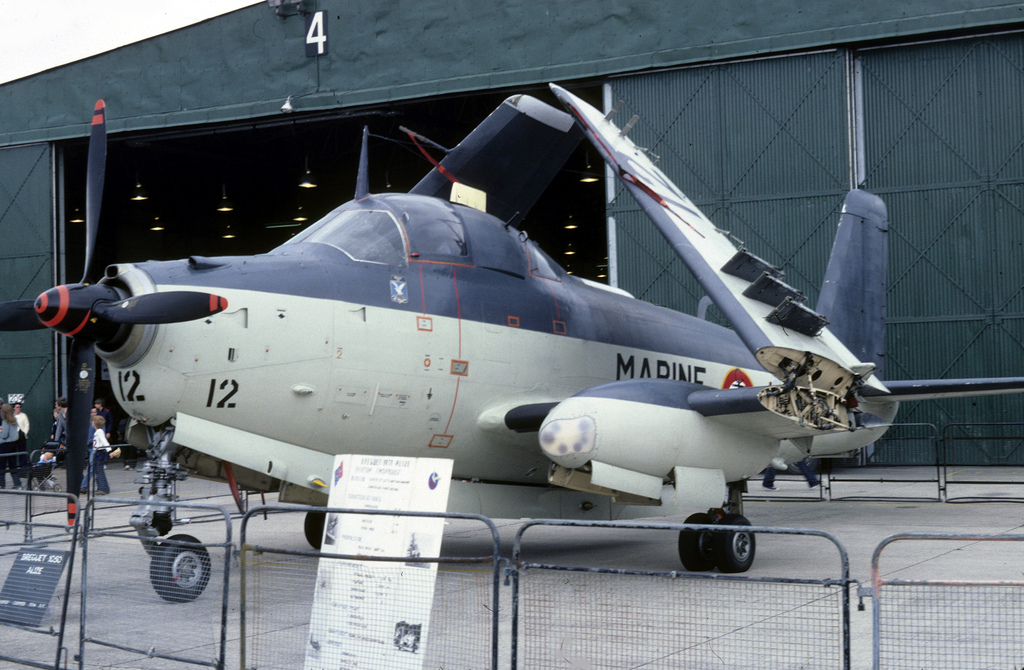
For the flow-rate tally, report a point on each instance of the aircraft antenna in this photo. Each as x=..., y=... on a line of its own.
x=363, y=177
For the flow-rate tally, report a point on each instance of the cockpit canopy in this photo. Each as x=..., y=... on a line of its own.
x=394, y=229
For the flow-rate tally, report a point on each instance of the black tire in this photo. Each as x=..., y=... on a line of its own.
x=696, y=548
x=180, y=569
x=314, y=528
x=734, y=550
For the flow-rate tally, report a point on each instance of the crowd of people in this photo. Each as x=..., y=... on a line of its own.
x=15, y=445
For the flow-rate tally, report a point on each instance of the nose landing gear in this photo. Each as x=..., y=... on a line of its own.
x=179, y=568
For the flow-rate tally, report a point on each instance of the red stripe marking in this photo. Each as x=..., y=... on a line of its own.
x=430, y=158
x=657, y=198
x=62, y=310
x=81, y=325
x=213, y=303
x=41, y=302
x=223, y=304
x=454, y=400
x=99, y=112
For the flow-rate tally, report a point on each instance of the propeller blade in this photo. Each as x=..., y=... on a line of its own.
x=170, y=307
x=94, y=183
x=19, y=315
x=82, y=381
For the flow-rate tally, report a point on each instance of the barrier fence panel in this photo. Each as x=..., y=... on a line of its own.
x=36, y=564
x=964, y=611
x=290, y=615
x=577, y=616
x=159, y=606
x=983, y=456
x=913, y=446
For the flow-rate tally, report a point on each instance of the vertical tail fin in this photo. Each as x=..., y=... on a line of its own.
x=853, y=294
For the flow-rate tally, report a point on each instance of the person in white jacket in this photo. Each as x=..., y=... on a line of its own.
x=9, y=458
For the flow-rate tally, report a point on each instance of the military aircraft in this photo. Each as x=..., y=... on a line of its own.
x=429, y=324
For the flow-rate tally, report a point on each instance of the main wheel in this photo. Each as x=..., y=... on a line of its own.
x=695, y=547
x=314, y=528
x=734, y=550
x=180, y=569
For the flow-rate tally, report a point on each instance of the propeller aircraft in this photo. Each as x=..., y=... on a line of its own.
x=429, y=324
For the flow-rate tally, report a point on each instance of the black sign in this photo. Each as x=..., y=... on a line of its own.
x=30, y=584
x=316, y=34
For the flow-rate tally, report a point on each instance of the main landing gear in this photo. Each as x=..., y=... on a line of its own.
x=729, y=551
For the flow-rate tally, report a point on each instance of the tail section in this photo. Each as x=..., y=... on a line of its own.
x=512, y=156
x=853, y=294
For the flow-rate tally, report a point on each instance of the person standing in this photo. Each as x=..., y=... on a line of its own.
x=99, y=451
x=8, y=442
x=22, y=446
x=107, y=415
x=60, y=427
x=769, y=475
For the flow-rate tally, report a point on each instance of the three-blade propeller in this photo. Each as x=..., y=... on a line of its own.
x=90, y=313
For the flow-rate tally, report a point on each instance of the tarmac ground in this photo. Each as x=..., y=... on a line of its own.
x=867, y=506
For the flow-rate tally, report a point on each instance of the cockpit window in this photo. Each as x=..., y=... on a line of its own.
x=541, y=264
x=364, y=235
x=443, y=236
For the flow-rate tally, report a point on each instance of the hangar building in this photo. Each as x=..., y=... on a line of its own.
x=764, y=113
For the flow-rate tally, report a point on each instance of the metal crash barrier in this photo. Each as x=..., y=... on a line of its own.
x=295, y=601
x=977, y=455
x=36, y=561
x=168, y=602
x=609, y=617
x=914, y=446
x=951, y=615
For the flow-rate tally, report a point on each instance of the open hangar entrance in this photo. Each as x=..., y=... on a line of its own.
x=246, y=187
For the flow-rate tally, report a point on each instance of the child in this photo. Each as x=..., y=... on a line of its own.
x=43, y=467
x=99, y=450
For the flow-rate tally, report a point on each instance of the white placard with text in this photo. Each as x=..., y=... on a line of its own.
x=377, y=614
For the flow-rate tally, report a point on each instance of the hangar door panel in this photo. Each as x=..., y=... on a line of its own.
x=759, y=146
x=945, y=148
x=26, y=270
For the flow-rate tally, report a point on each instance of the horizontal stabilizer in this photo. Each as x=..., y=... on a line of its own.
x=512, y=156
x=930, y=389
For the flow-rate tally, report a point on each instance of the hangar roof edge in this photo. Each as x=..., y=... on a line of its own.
x=244, y=64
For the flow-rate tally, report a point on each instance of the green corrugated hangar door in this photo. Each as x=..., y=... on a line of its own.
x=26, y=219
x=763, y=147
x=945, y=148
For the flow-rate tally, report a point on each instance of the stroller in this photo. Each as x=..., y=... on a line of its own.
x=42, y=477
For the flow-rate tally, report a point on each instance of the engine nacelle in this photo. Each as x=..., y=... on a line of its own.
x=647, y=426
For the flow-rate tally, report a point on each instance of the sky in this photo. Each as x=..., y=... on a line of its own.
x=37, y=35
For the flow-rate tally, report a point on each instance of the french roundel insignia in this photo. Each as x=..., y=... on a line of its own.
x=339, y=472
x=737, y=379
x=433, y=480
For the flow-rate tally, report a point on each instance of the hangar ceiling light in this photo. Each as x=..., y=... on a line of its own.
x=225, y=204
x=307, y=178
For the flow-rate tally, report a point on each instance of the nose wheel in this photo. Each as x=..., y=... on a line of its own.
x=729, y=551
x=180, y=568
